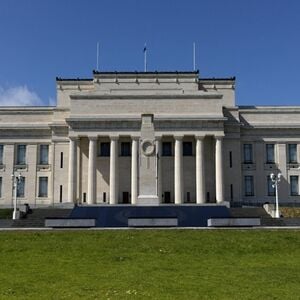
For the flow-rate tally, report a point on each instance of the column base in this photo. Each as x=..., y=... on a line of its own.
x=147, y=200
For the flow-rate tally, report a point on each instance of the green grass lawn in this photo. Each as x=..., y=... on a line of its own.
x=150, y=264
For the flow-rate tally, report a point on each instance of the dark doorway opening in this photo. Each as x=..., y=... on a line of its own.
x=167, y=197
x=125, y=197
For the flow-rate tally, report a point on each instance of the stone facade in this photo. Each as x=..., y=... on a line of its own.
x=201, y=147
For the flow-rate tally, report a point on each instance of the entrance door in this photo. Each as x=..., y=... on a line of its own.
x=125, y=197
x=167, y=197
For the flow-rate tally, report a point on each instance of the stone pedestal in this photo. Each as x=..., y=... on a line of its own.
x=147, y=164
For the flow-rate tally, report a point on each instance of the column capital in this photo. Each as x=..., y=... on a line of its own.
x=74, y=138
x=114, y=137
x=199, y=137
x=93, y=138
x=135, y=137
x=158, y=138
x=219, y=137
x=178, y=137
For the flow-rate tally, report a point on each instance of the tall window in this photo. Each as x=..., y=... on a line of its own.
x=21, y=188
x=249, y=186
x=125, y=149
x=294, y=185
x=1, y=154
x=105, y=149
x=271, y=189
x=248, y=155
x=270, y=151
x=166, y=149
x=21, y=154
x=187, y=148
x=292, y=153
x=44, y=154
x=0, y=187
x=43, y=186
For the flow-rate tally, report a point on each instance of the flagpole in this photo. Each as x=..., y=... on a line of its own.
x=194, y=56
x=145, y=58
x=97, y=66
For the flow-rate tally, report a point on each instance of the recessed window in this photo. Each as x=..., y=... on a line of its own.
x=270, y=153
x=0, y=187
x=105, y=149
x=43, y=186
x=249, y=186
x=187, y=148
x=230, y=159
x=21, y=155
x=294, y=185
x=44, y=154
x=21, y=187
x=61, y=160
x=167, y=149
x=271, y=188
x=292, y=150
x=1, y=154
x=248, y=154
x=125, y=149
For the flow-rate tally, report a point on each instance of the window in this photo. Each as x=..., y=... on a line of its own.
x=61, y=160
x=166, y=149
x=21, y=154
x=249, y=186
x=44, y=153
x=60, y=193
x=271, y=189
x=125, y=149
x=294, y=186
x=1, y=154
x=230, y=159
x=43, y=186
x=270, y=153
x=0, y=187
x=231, y=192
x=248, y=155
x=292, y=153
x=105, y=149
x=21, y=187
x=187, y=148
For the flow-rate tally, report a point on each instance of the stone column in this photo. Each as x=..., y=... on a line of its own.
x=159, y=169
x=200, y=170
x=219, y=170
x=113, y=174
x=91, y=197
x=72, y=170
x=134, y=170
x=178, y=168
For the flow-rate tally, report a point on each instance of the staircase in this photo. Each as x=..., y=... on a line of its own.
x=249, y=212
x=36, y=218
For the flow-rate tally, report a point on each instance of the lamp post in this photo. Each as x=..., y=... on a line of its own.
x=276, y=179
x=16, y=179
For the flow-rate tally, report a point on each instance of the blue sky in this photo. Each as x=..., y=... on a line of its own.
x=258, y=41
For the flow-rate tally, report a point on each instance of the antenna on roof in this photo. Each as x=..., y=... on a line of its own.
x=194, y=56
x=145, y=58
x=97, y=65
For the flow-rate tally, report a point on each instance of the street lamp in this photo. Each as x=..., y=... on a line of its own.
x=15, y=179
x=276, y=179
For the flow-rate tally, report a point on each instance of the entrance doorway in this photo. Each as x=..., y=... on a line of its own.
x=125, y=197
x=167, y=197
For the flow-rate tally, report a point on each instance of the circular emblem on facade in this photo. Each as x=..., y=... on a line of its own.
x=148, y=147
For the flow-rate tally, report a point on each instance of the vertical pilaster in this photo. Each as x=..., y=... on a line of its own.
x=91, y=197
x=72, y=170
x=134, y=170
x=113, y=174
x=219, y=170
x=200, y=170
x=178, y=168
x=159, y=168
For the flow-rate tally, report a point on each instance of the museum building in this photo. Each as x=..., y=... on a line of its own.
x=148, y=138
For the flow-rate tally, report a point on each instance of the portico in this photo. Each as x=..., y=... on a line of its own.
x=179, y=168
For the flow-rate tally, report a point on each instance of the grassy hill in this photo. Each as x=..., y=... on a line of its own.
x=150, y=264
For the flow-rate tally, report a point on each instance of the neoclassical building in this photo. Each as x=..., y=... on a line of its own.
x=148, y=138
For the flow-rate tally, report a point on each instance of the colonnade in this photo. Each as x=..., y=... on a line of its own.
x=178, y=170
